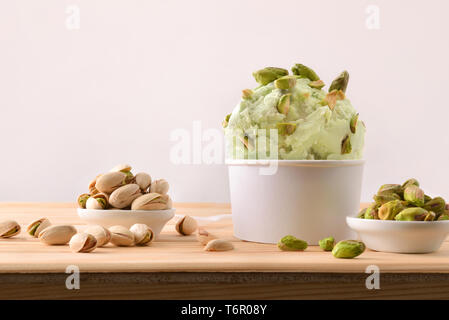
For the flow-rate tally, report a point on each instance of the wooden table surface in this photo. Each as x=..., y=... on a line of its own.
x=178, y=262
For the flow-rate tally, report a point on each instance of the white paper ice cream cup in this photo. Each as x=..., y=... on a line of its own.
x=309, y=199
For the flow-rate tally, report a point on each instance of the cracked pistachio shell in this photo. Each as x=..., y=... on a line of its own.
x=390, y=209
x=101, y=234
x=121, y=236
x=414, y=195
x=305, y=72
x=412, y=214
x=82, y=199
x=143, y=234
x=285, y=83
x=186, y=225
x=382, y=198
x=110, y=181
x=35, y=227
x=152, y=201
x=159, y=186
x=218, y=245
x=124, y=196
x=290, y=243
x=286, y=129
x=346, y=146
x=143, y=180
x=348, y=249
x=284, y=103
x=436, y=205
x=9, y=228
x=57, y=235
x=327, y=244
x=204, y=236
x=341, y=82
x=121, y=168
x=98, y=201
x=266, y=75
x=83, y=243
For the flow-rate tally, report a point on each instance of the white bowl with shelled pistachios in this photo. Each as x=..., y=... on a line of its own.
x=121, y=198
x=403, y=219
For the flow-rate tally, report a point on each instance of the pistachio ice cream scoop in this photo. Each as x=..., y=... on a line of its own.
x=292, y=117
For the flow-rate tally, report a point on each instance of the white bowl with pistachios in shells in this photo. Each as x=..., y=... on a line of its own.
x=121, y=198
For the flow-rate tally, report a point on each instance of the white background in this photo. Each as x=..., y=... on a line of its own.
x=74, y=103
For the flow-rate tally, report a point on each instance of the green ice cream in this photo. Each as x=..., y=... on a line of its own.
x=310, y=122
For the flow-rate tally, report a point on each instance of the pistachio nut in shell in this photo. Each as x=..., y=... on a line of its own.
x=121, y=168
x=203, y=236
x=437, y=205
x=143, y=234
x=124, y=196
x=186, y=225
x=9, y=228
x=143, y=180
x=160, y=186
x=291, y=243
x=101, y=234
x=110, y=181
x=389, y=210
x=83, y=243
x=82, y=199
x=305, y=72
x=412, y=214
x=152, y=201
x=35, y=227
x=57, y=235
x=121, y=236
x=269, y=74
x=218, y=245
x=341, y=82
x=327, y=244
x=414, y=195
x=98, y=201
x=348, y=249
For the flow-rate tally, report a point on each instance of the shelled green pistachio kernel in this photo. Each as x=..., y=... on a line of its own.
x=327, y=244
x=410, y=182
x=436, y=205
x=341, y=82
x=290, y=243
x=414, y=195
x=361, y=213
x=444, y=216
x=412, y=214
x=346, y=146
x=353, y=123
x=305, y=72
x=318, y=84
x=226, y=121
x=284, y=103
x=286, y=129
x=390, y=209
x=390, y=188
x=266, y=75
x=382, y=198
x=372, y=212
x=285, y=83
x=348, y=249
x=247, y=94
